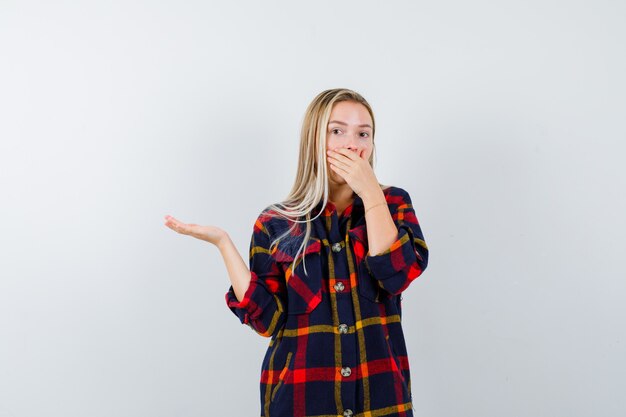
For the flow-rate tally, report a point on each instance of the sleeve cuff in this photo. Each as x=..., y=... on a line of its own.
x=247, y=307
x=394, y=259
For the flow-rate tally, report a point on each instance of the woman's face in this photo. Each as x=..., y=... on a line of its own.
x=349, y=126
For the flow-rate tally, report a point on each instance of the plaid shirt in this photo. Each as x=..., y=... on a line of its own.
x=337, y=347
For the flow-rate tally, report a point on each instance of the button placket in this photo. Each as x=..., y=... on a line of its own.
x=336, y=247
x=343, y=328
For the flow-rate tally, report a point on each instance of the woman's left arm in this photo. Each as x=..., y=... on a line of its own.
x=397, y=251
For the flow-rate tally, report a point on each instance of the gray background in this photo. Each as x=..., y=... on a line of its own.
x=503, y=120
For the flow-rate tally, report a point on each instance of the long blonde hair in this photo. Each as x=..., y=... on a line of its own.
x=311, y=182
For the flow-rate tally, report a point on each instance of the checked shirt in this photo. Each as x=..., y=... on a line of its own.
x=336, y=344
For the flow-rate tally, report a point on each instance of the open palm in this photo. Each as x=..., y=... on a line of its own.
x=211, y=234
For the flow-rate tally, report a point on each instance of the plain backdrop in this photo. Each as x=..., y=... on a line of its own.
x=504, y=120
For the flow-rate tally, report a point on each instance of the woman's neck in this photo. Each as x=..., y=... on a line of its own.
x=341, y=195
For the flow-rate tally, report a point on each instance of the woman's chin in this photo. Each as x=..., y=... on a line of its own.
x=336, y=179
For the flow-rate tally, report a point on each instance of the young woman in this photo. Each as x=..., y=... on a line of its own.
x=328, y=266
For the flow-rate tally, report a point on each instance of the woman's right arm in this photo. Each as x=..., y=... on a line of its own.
x=258, y=295
x=237, y=269
x=264, y=303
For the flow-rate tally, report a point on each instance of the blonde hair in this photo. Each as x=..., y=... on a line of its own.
x=311, y=182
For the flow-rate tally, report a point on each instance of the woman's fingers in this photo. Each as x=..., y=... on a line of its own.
x=177, y=225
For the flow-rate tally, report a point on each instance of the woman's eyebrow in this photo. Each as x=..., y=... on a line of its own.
x=345, y=124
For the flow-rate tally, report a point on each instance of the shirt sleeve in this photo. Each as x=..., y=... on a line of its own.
x=407, y=257
x=262, y=306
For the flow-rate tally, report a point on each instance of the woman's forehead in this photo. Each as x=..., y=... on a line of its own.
x=350, y=113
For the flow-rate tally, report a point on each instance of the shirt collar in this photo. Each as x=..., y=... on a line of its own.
x=328, y=209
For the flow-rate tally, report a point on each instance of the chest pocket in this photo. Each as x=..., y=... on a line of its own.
x=367, y=284
x=304, y=292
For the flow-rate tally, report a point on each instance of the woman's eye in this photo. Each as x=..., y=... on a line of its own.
x=333, y=130
x=366, y=134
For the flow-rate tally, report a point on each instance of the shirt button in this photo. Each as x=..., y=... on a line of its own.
x=346, y=371
x=339, y=286
x=343, y=328
x=337, y=247
x=347, y=413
